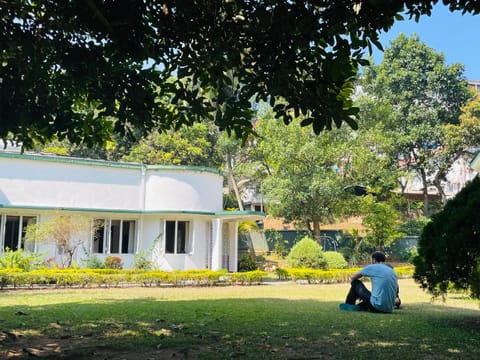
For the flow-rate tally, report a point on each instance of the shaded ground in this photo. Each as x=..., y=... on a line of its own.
x=17, y=346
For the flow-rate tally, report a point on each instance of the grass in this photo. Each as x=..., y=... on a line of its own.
x=275, y=321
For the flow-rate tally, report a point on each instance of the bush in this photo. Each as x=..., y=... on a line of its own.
x=335, y=260
x=20, y=259
x=247, y=263
x=449, y=247
x=113, y=262
x=141, y=262
x=307, y=253
x=93, y=262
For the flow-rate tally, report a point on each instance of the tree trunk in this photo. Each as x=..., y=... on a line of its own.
x=425, y=193
x=316, y=231
x=233, y=183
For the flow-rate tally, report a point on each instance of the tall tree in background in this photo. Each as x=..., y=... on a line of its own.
x=306, y=178
x=84, y=70
x=305, y=185
x=460, y=141
x=425, y=95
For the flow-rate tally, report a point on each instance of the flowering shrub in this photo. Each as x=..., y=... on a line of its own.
x=113, y=262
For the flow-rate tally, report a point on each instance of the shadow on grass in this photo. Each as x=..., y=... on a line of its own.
x=264, y=328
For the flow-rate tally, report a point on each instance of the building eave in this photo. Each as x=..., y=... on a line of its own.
x=104, y=163
x=231, y=215
x=475, y=162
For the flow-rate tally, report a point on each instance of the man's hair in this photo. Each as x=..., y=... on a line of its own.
x=378, y=256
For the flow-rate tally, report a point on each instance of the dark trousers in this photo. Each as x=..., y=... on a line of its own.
x=360, y=292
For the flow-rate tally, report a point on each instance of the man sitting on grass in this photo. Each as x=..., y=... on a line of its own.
x=384, y=294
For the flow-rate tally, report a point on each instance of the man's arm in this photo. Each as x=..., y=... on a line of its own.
x=355, y=276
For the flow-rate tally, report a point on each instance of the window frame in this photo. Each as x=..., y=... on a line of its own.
x=114, y=238
x=21, y=223
x=172, y=244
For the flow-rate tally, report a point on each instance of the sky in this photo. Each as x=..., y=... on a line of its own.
x=453, y=34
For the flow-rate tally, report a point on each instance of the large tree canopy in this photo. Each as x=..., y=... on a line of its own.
x=426, y=97
x=85, y=69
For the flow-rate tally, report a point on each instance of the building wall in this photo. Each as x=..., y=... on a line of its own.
x=145, y=197
x=29, y=182
x=183, y=191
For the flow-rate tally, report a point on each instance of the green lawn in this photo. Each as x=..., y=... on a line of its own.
x=275, y=321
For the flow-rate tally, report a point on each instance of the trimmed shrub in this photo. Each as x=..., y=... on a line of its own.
x=307, y=253
x=335, y=260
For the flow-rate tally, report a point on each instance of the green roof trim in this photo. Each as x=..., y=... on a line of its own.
x=104, y=163
x=138, y=212
x=475, y=162
x=236, y=213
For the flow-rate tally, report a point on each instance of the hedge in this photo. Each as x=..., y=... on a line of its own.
x=57, y=278
x=330, y=276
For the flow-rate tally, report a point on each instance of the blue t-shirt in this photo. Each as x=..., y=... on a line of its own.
x=384, y=286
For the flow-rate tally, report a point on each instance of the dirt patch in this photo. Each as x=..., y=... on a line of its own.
x=16, y=346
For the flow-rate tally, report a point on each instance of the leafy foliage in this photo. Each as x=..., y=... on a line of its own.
x=113, y=262
x=247, y=263
x=142, y=262
x=193, y=145
x=449, y=247
x=307, y=253
x=381, y=220
x=20, y=259
x=93, y=261
x=301, y=178
x=335, y=260
x=113, y=277
x=426, y=97
x=88, y=70
x=65, y=232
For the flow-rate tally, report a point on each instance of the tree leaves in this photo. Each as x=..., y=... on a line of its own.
x=221, y=55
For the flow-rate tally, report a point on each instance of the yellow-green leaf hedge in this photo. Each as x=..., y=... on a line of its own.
x=330, y=276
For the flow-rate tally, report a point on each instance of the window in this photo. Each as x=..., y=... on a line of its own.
x=12, y=232
x=99, y=236
x=177, y=234
x=116, y=236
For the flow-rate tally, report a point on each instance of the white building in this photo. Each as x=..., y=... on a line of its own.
x=172, y=213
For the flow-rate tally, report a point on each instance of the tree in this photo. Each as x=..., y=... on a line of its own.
x=63, y=231
x=425, y=96
x=382, y=222
x=85, y=70
x=307, y=178
x=449, y=247
x=459, y=141
x=231, y=148
x=194, y=145
x=302, y=182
